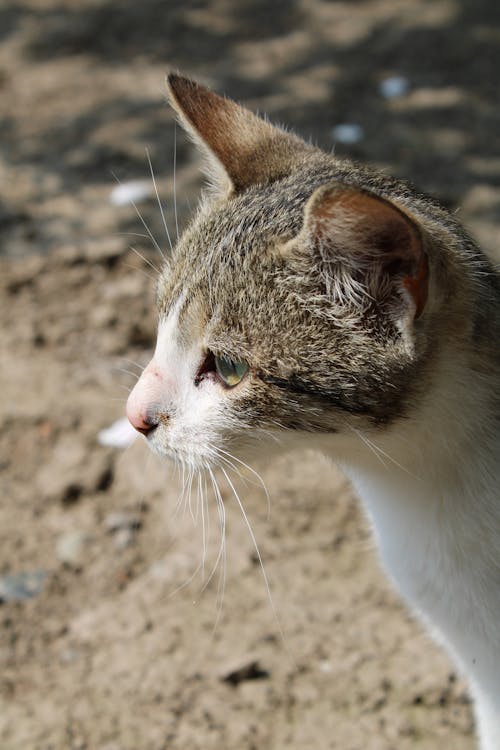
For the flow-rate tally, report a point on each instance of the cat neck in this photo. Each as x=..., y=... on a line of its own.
x=447, y=449
x=430, y=489
x=430, y=484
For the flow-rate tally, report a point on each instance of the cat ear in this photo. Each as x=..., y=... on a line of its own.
x=241, y=148
x=368, y=248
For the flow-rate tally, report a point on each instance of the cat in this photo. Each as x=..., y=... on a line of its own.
x=322, y=302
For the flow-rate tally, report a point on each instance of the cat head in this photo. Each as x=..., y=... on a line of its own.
x=295, y=302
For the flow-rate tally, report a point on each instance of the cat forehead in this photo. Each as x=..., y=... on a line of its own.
x=224, y=241
x=276, y=208
x=228, y=249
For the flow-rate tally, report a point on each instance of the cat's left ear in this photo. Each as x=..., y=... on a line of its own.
x=369, y=249
x=241, y=149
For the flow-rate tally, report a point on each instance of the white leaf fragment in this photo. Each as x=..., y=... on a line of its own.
x=120, y=434
x=128, y=193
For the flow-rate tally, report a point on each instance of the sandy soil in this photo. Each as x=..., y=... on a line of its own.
x=130, y=643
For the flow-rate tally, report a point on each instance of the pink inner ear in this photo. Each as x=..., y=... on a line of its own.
x=417, y=285
x=397, y=238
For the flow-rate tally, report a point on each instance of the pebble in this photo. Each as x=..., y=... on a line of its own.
x=347, y=132
x=123, y=538
x=17, y=587
x=71, y=548
x=394, y=86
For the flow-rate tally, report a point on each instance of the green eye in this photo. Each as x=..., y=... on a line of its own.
x=231, y=373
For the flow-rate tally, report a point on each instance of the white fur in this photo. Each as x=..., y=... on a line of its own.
x=197, y=414
x=429, y=485
x=431, y=490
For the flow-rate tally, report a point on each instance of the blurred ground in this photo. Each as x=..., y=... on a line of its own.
x=112, y=654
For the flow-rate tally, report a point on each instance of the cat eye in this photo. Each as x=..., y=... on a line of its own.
x=229, y=371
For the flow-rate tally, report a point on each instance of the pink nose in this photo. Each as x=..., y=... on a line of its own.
x=142, y=403
x=141, y=422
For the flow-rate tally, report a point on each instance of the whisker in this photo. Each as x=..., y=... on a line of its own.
x=259, y=558
x=369, y=446
x=154, y=279
x=271, y=435
x=180, y=499
x=253, y=472
x=207, y=511
x=150, y=235
x=221, y=584
x=235, y=469
x=146, y=260
x=131, y=234
x=175, y=189
x=222, y=523
x=245, y=480
x=126, y=388
x=190, y=492
x=378, y=451
x=201, y=501
x=127, y=372
x=158, y=199
x=136, y=364
x=186, y=582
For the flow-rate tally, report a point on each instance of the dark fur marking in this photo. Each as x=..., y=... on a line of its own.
x=295, y=384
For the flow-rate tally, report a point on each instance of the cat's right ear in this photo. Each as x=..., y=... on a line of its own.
x=241, y=149
x=369, y=251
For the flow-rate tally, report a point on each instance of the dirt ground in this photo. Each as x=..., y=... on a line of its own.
x=114, y=635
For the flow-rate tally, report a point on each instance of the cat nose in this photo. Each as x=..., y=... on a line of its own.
x=142, y=423
x=142, y=403
x=145, y=404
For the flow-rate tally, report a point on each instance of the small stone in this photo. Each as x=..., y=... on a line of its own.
x=17, y=587
x=71, y=548
x=347, y=132
x=394, y=86
x=123, y=538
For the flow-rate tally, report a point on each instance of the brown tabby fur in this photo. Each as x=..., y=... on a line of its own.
x=249, y=269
